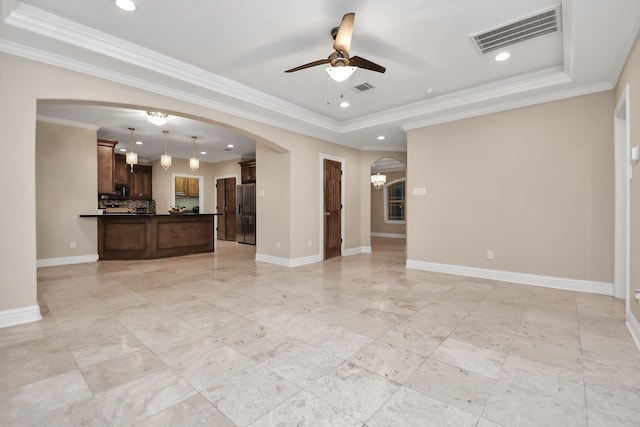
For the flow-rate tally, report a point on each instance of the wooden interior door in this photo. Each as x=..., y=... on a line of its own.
x=230, y=208
x=332, y=209
x=226, y=205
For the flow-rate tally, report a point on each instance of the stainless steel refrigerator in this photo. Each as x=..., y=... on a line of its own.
x=246, y=214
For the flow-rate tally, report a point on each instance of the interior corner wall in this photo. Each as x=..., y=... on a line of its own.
x=631, y=76
x=534, y=185
x=66, y=185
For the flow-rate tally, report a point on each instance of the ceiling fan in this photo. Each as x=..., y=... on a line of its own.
x=342, y=66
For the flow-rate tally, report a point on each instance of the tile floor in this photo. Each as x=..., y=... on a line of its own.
x=220, y=340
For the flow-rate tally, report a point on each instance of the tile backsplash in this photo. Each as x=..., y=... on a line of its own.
x=149, y=206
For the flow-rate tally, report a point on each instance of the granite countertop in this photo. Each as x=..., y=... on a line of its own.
x=97, y=215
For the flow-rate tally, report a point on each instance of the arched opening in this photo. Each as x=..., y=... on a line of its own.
x=388, y=211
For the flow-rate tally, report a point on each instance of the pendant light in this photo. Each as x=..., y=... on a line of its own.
x=378, y=180
x=165, y=159
x=194, y=163
x=131, y=157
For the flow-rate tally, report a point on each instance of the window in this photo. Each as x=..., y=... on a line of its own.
x=394, y=192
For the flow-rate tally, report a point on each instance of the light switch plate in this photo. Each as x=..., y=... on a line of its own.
x=419, y=191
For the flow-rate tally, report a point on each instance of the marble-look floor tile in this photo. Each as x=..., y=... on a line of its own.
x=511, y=406
x=302, y=364
x=123, y=369
x=305, y=410
x=561, y=355
x=339, y=341
x=213, y=368
x=411, y=339
x=469, y=357
x=353, y=390
x=247, y=396
x=394, y=363
x=43, y=396
x=612, y=406
x=558, y=383
x=483, y=337
x=452, y=385
x=82, y=413
x=191, y=412
x=258, y=342
x=409, y=408
x=34, y=369
x=135, y=400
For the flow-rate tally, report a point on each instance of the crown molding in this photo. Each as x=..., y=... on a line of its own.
x=55, y=27
x=509, y=105
x=385, y=148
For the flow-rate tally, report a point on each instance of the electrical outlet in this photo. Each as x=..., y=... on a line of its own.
x=310, y=243
x=278, y=244
x=490, y=254
x=73, y=244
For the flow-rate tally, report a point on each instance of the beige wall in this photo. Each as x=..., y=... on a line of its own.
x=66, y=185
x=535, y=185
x=631, y=75
x=377, y=208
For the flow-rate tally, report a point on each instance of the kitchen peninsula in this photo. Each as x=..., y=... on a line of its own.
x=133, y=237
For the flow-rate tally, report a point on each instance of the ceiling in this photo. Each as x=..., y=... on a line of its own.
x=231, y=56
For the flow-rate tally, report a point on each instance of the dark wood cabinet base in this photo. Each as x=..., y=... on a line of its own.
x=132, y=237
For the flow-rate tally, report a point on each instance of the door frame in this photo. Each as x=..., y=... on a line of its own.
x=342, y=162
x=622, y=177
x=215, y=197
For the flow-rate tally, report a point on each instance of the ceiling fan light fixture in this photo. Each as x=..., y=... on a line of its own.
x=340, y=73
x=126, y=5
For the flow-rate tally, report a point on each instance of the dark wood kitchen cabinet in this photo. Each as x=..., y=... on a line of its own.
x=106, y=166
x=121, y=171
x=247, y=171
x=140, y=182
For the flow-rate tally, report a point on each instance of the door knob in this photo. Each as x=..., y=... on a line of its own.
x=327, y=213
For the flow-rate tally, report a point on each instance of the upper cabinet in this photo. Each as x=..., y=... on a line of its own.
x=187, y=187
x=140, y=182
x=121, y=172
x=247, y=171
x=106, y=166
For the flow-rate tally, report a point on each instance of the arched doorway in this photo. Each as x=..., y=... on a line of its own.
x=388, y=220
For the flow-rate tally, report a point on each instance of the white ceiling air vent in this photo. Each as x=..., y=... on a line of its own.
x=519, y=31
x=362, y=87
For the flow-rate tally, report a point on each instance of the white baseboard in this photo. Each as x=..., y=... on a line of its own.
x=521, y=278
x=356, y=251
x=634, y=328
x=18, y=316
x=288, y=262
x=51, y=262
x=389, y=235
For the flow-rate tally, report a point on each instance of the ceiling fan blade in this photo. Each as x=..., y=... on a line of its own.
x=342, y=42
x=309, y=65
x=366, y=64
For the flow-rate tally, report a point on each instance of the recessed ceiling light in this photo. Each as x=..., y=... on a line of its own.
x=139, y=143
x=502, y=56
x=126, y=5
x=229, y=145
x=381, y=137
x=429, y=91
x=344, y=104
x=203, y=152
x=123, y=150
